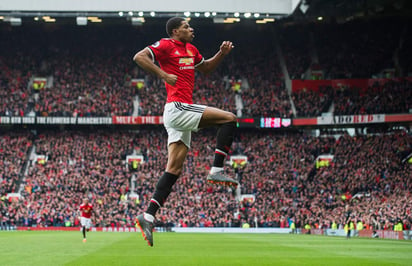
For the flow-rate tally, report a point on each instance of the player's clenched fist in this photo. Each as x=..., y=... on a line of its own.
x=226, y=47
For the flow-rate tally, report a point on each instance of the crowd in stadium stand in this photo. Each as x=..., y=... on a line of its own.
x=152, y=97
x=87, y=87
x=266, y=98
x=78, y=165
x=357, y=49
x=366, y=181
x=13, y=155
x=391, y=97
x=311, y=103
x=14, y=92
x=91, y=79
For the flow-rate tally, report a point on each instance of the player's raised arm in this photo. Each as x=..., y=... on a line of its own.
x=144, y=59
x=210, y=64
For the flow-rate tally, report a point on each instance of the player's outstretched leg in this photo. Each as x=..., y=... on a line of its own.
x=224, y=140
x=146, y=228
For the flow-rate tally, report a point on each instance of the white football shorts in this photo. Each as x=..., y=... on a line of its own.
x=86, y=222
x=180, y=119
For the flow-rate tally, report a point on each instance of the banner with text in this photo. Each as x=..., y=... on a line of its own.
x=263, y=122
x=137, y=120
x=350, y=119
x=115, y=120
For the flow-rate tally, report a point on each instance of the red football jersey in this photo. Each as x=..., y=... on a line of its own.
x=180, y=59
x=86, y=210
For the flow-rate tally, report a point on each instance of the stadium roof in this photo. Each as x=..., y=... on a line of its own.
x=19, y=12
x=109, y=8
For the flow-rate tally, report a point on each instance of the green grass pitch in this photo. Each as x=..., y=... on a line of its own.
x=67, y=248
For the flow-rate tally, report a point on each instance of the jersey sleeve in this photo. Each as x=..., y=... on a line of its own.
x=158, y=50
x=198, y=57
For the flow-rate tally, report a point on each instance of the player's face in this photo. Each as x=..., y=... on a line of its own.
x=185, y=33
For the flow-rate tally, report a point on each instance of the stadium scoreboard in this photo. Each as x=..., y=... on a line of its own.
x=264, y=122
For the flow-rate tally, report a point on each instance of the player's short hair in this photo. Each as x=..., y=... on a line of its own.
x=173, y=23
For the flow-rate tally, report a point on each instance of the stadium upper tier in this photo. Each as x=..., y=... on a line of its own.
x=89, y=72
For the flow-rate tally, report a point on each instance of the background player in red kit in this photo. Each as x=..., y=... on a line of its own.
x=86, y=210
x=178, y=59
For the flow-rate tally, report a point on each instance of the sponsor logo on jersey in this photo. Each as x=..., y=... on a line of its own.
x=186, y=61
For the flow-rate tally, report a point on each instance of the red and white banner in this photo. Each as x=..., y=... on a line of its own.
x=51, y=228
x=388, y=234
x=264, y=122
x=137, y=120
x=350, y=119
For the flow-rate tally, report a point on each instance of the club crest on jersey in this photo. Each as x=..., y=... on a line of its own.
x=186, y=61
